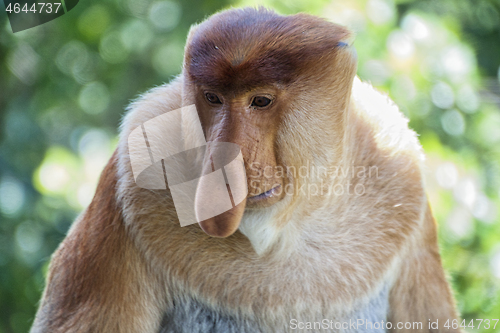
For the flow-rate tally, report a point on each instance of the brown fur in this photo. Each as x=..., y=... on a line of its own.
x=127, y=261
x=97, y=273
x=275, y=49
x=421, y=292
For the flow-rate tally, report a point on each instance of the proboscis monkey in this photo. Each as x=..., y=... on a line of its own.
x=336, y=234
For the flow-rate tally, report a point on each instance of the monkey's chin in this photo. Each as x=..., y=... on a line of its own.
x=265, y=199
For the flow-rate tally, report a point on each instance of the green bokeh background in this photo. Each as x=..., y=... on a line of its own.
x=64, y=87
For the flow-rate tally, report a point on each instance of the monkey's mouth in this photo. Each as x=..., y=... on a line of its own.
x=265, y=199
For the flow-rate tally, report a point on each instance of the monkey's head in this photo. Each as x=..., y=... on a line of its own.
x=278, y=86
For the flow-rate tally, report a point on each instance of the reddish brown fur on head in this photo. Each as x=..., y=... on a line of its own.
x=242, y=54
x=241, y=49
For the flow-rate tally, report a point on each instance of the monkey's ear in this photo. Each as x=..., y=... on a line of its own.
x=348, y=39
x=348, y=45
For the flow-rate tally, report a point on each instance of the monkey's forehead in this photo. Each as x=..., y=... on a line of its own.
x=245, y=48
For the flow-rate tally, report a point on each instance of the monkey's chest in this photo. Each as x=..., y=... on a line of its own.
x=190, y=316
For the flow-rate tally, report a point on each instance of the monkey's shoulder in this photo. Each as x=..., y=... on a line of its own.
x=378, y=125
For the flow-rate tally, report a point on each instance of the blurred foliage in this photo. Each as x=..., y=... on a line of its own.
x=64, y=86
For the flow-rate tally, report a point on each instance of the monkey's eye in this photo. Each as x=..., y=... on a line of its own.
x=213, y=98
x=261, y=101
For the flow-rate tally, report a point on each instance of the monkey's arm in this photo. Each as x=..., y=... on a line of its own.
x=421, y=293
x=98, y=281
